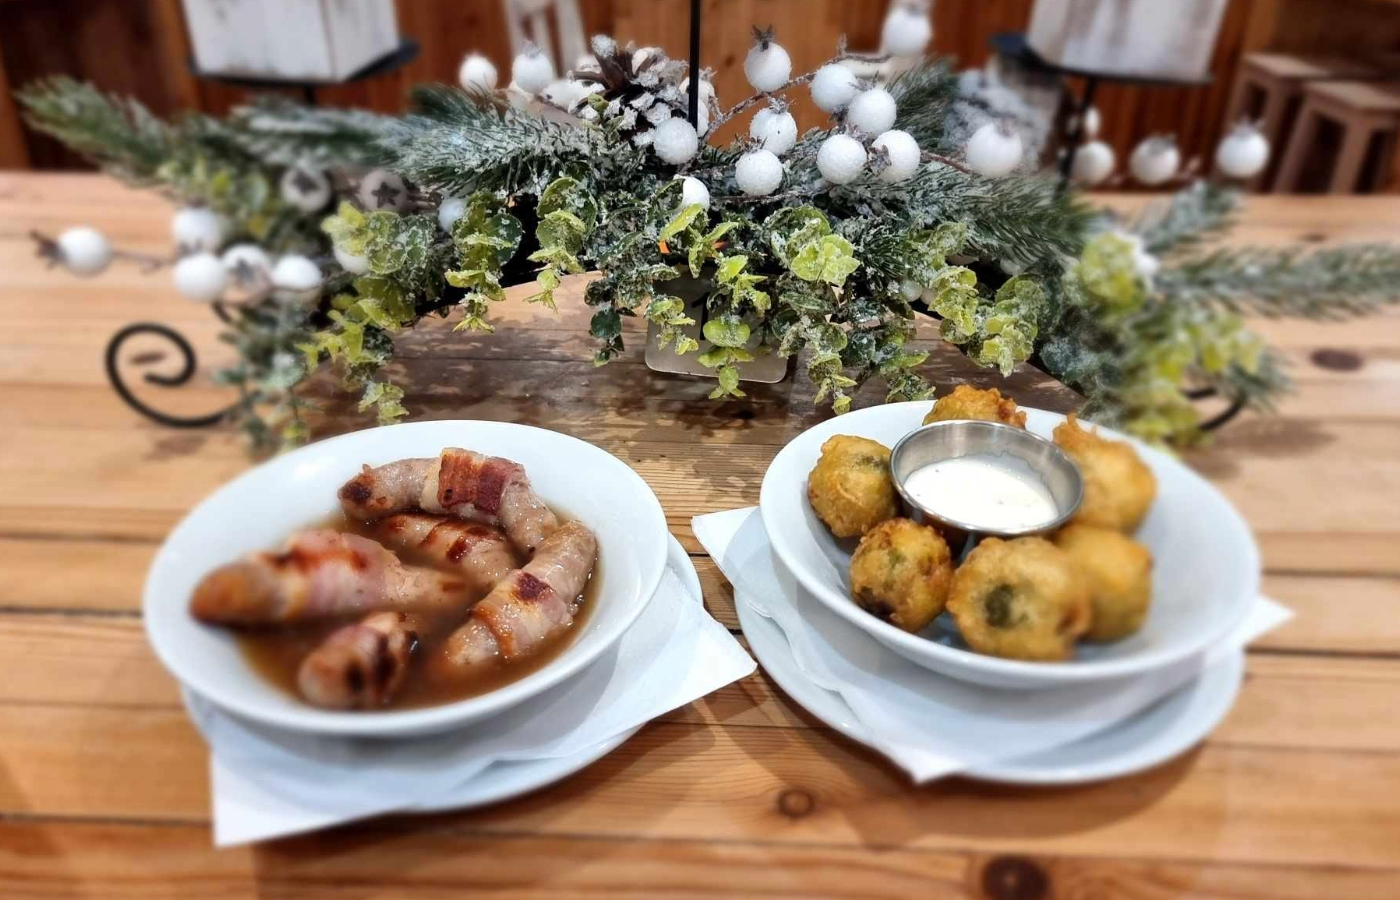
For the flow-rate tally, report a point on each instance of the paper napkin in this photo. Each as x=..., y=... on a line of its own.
x=270, y=783
x=930, y=725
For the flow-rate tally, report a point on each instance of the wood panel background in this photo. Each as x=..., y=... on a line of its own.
x=139, y=47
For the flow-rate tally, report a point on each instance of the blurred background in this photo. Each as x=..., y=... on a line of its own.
x=144, y=48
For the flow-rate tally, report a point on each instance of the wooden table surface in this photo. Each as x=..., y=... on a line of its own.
x=104, y=784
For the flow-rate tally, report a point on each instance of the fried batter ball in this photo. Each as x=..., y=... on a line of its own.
x=967, y=402
x=1118, y=486
x=901, y=573
x=1118, y=572
x=1020, y=599
x=850, y=489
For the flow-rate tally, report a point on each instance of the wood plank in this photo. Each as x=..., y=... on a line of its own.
x=691, y=782
x=408, y=858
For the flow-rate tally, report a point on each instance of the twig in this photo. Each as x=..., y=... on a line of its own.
x=795, y=82
x=929, y=156
x=48, y=249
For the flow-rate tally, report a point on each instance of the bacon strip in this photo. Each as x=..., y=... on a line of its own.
x=462, y=483
x=320, y=574
x=481, y=553
x=361, y=666
x=530, y=607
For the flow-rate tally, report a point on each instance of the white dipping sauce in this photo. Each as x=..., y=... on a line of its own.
x=999, y=492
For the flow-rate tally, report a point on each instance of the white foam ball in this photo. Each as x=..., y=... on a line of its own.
x=906, y=32
x=247, y=260
x=477, y=74
x=911, y=290
x=833, y=87
x=449, y=211
x=693, y=190
x=1155, y=161
x=350, y=262
x=1093, y=163
x=904, y=155
x=532, y=71
x=767, y=66
x=1243, y=153
x=994, y=152
x=873, y=111
x=200, y=277
x=197, y=228
x=382, y=189
x=776, y=129
x=1093, y=121
x=675, y=141
x=84, y=250
x=295, y=272
x=758, y=173
x=305, y=188
x=840, y=159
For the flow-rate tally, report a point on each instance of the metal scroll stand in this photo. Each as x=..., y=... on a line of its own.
x=406, y=52
x=1014, y=47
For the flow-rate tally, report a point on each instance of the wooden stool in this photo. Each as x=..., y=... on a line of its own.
x=1269, y=88
x=1368, y=115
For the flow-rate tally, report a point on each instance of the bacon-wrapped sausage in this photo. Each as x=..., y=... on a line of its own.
x=481, y=553
x=362, y=665
x=485, y=489
x=530, y=607
x=319, y=574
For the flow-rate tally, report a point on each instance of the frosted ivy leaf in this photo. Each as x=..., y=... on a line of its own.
x=830, y=259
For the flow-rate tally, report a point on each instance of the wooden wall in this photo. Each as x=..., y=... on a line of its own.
x=139, y=47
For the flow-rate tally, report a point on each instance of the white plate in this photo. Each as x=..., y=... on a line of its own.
x=1205, y=576
x=1162, y=731
x=260, y=508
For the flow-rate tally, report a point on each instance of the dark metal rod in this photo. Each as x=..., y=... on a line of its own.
x=695, y=63
x=186, y=372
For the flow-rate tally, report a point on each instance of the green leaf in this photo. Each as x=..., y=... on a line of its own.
x=728, y=384
x=726, y=332
x=681, y=221
x=561, y=229
x=714, y=357
x=569, y=195
x=606, y=324
x=830, y=259
x=729, y=267
x=793, y=228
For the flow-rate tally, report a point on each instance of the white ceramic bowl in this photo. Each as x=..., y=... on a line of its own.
x=1206, y=570
x=257, y=510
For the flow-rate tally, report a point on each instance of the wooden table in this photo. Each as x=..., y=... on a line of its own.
x=104, y=784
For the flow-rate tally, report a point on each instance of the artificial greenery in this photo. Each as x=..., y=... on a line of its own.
x=1141, y=316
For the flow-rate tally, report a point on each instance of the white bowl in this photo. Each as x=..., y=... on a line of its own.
x=1206, y=570
x=257, y=510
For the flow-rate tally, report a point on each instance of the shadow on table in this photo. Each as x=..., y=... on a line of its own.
x=1263, y=437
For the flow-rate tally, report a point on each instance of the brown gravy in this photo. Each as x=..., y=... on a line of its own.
x=276, y=653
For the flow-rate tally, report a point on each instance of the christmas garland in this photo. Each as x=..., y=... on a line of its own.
x=825, y=244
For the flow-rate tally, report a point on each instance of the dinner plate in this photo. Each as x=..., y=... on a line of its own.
x=257, y=510
x=1162, y=731
x=1206, y=570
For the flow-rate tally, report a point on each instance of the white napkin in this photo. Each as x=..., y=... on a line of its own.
x=933, y=726
x=270, y=783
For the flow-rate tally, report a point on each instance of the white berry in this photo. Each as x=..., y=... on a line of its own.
x=911, y=290
x=906, y=32
x=994, y=151
x=1093, y=163
x=841, y=159
x=1155, y=161
x=294, y=272
x=904, y=155
x=532, y=70
x=872, y=111
x=693, y=191
x=305, y=188
x=768, y=66
x=776, y=128
x=1146, y=264
x=449, y=211
x=382, y=189
x=758, y=173
x=84, y=251
x=675, y=141
x=1243, y=153
x=355, y=265
x=247, y=262
x=197, y=228
x=1091, y=124
x=201, y=277
x=477, y=74
x=833, y=87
